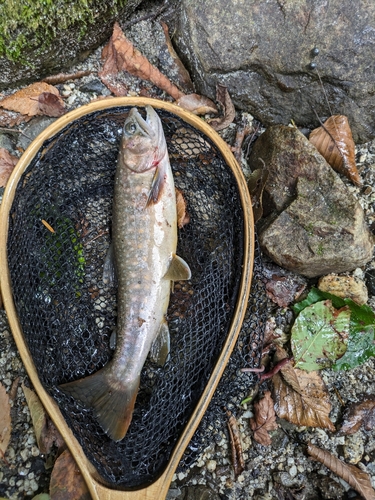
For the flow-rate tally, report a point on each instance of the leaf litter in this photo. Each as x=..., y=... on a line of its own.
x=264, y=419
x=5, y=421
x=7, y=164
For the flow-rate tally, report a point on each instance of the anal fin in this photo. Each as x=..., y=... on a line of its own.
x=178, y=269
x=161, y=345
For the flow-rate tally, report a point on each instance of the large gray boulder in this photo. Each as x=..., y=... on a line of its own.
x=263, y=52
x=38, y=38
x=313, y=224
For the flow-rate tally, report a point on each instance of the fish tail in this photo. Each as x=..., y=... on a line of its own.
x=112, y=403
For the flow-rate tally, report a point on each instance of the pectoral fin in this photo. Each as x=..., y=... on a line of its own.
x=178, y=269
x=158, y=182
x=161, y=345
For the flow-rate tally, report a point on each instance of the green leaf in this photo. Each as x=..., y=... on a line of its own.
x=360, y=346
x=319, y=335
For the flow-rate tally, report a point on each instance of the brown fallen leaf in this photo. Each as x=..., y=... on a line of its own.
x=26, y=100
x=197, y=104
x=264, y=419
x=121, y=55
x=358, y=415
x=301, y=397
x=334, y=141
x=45, y=432
x=282, y=287
x=236, y=446
x=51, y=104
x=182, y=76
x=354, y=476
x=7, y=164
x=229, y=113
x=182, y=215
x=11, y=118
x=67, y=482
x=5, y=421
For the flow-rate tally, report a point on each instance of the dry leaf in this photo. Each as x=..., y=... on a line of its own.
x=5, y=421
x=197, y=104
x=264, y=419
x=283, y=287
x=182, y=76
x=229, y=113
x=358, y=415
x=354, y=476
x=7, y=164
x=26, y=100
x=301, y=397
x=45, y=432
x=67, y=482
x=121, y=55
x=182, y=215
x=51, y=104
x=335, y=143
x=11, y=118
x=256, y=184
x=236, y=446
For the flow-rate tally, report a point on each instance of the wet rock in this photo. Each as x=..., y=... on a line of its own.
x=314, y=225
x=199, y=492
x=41, y=38
x=266, y=54
x=94, y=86
x=33, y=129
x=349, y=287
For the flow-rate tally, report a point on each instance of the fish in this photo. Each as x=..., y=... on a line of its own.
x=142, y=258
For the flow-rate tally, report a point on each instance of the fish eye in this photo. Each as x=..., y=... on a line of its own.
x=130, y=128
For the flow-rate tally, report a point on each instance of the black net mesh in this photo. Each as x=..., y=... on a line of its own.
x=68, y=314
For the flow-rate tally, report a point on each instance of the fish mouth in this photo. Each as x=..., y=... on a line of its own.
x=143, y=127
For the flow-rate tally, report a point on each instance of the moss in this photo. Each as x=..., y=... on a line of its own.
x=32, y=24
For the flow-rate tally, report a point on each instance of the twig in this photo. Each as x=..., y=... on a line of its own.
x=64, y=77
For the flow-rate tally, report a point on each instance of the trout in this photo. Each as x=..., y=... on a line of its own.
x=143, y=259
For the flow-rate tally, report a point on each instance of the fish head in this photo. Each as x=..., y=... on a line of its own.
x=143, y=143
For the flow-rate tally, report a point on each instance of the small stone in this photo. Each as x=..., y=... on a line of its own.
x=211, y=465
x=293, y=471
x=354, y=448
x=35, y=451
x=33, y=485
x=349, y=287
x=25, y=454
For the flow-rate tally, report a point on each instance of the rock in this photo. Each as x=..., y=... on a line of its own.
x=264, y=54
x=329, y=488
x=354, y=448
x=349, y=287
x=33, y=129
x=45, y=37
x=314, y=225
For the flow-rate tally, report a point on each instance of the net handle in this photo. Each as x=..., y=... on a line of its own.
x=98, y=489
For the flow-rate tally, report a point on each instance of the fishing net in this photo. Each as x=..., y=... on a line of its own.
x=59, y=233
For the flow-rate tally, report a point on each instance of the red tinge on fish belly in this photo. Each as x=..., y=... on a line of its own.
x=144, y=233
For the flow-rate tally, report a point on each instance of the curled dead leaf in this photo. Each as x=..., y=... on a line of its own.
x=229, y=113
x=197, y=104
x=264, y=419
x=45, y=432
x=121, y=55
x=334, y=141
x=301, y=397
x=181, y=74
x=5, y=421
x=51, y=104
x=182, y=215
x=7, y=164
x=26, y=100
x=361, y=414
x=236, y=446
x=67, y=481
x=354, y=476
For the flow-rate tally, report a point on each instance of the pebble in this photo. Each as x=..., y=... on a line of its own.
x=211, y=465
x=354, y=448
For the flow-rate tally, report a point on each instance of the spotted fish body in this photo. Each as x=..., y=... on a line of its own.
x=144, y=232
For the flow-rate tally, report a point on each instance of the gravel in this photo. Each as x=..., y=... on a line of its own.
x=279, y=471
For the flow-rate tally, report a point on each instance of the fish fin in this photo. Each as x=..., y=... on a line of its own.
x=157, y=184
x=161, y=345
x=178, y=269
x=113, y=406
x=109, y=273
